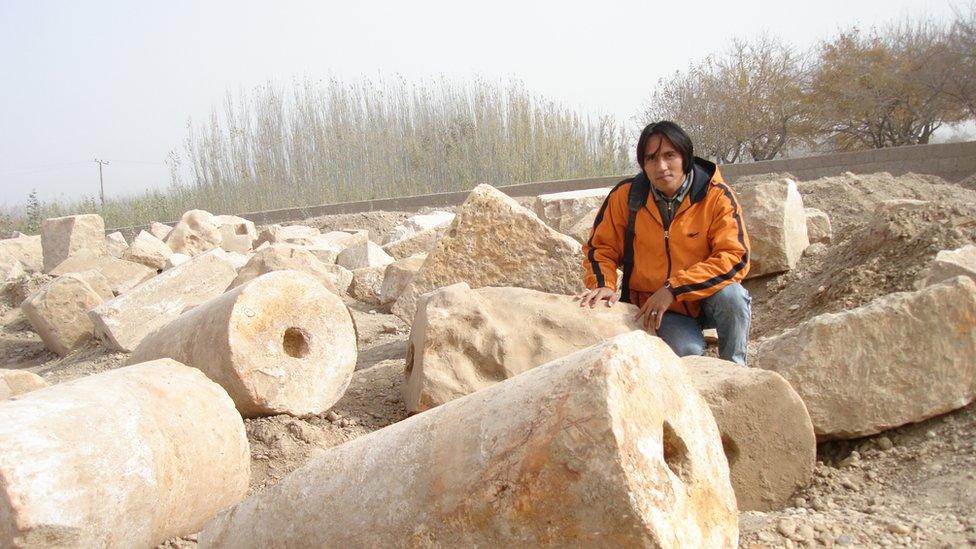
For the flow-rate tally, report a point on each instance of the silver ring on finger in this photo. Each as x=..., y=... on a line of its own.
x=653, y=313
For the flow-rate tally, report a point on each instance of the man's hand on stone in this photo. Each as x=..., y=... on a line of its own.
x=591, y=297
x=652, y=310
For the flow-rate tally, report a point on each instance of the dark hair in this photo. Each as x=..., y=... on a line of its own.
x=675, y=135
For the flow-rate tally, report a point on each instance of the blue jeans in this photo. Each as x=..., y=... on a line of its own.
x=728, y=311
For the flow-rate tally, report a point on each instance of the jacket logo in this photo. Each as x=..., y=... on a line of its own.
x=692, y=235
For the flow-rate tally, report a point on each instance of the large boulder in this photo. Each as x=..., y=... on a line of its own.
x=159, y=230
x=62, y=237
x=197, y=232
x=367, y=283
x=419, y=223
x=563, y=210
x=419, y=243
x=494, y=241
x=464, y=340
x=280, y=344
x=397, y=276
x=25, y=249
x=818, y=226
x=125, y=458
x=902, y=358
x=58, y=312
x=236, y=233
x=284, y=257
x=12, y=274
x=115, y=244
x=363, y=254
x=766, y=431
x=149, y=251
x=121, y=275
x=777, y=224
x=17, y=382
x=124, y=321
x=610, y=446
x=949, y=264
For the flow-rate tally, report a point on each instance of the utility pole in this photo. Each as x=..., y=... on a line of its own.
x=101, y=182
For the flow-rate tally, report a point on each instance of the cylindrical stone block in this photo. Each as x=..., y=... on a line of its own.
x=125, y=458
x=609, y=446
x=280, y=344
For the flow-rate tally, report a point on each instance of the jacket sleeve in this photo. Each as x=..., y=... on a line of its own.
x=604, y=250
x=729, y=259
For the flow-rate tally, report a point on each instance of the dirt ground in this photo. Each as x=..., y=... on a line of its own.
x=914, y=486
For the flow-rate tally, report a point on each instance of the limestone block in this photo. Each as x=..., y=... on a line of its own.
x=419, y=243
x=124, y=321
x=397, y=276
x=196, y=233
x=17, y=382
x=766, y=431
x=282, y=257
x=115, y=244
x=160, y=230
x=121, y=275
x=58, y=312
x=343, y=239
x=280, y=344
x=177, y=259
x=494, y=241
x=62, y=237
x=125, y=458
x=563, y=210
x=367, y=284
x=293, y=234
x=464, y=340
x=419, y=223
x=818, y=226
x=237, y=234
x=323, y=251
x=949, y=264
x=12, y=272
x=149, y=251
x=341, y=277
x=363, y=254
x=581, y=229
x=610, y=446
x=902, y=358
x=777, y=224
x=25, y=249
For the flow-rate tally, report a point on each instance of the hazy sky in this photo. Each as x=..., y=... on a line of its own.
x=119, y=80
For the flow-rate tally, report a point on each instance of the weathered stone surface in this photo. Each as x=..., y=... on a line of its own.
x=121, y=275
x=766, y=431
x=777, y=225
x=363, y=254
x=288, y=234
x=196, y=233
x=17, y=382
x=280, y=344
x=902, y=358
x=419, y=223
x=25, y=249
x=949, y=264
x=397, y=276
x=176, y=259
x=160, y=230
x=283, y=257
x=464, y=340
x=62, y=237
x=818, y=226
x=610, y=446
x=419, y=243
x=236, y=233
x=323, y=251
x=149, y=251
x=341, y=277
x=343, y=239
x=494, y=241
x=581, y=229
x=124, y=458
x=124, y=321
x=563, y=210
x=115, y=244
x=367, y=284
x=58, y=312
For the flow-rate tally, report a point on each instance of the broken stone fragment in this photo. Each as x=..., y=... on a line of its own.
x=149, y=251
x=397, y=276
x=563, y=210
x=282, y=257
x=121, y=275
x=17, y=382
x=125, y=458
x=609, y=446
x=58, y=312
x=116, y=244
x=197, y=232
x=280, y=344
x=62, y=237
x=777, y=225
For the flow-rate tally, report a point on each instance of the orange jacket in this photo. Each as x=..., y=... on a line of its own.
x=705, y=249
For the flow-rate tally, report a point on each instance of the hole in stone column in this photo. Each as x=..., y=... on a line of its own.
x=676, y=453
x=295, y=343
x=731, y=450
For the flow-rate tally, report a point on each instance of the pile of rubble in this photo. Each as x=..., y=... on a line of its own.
x=536, y=422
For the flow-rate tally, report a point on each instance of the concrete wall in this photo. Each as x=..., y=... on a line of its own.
x=951, y=161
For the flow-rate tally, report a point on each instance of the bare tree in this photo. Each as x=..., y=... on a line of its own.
x=962, y=60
